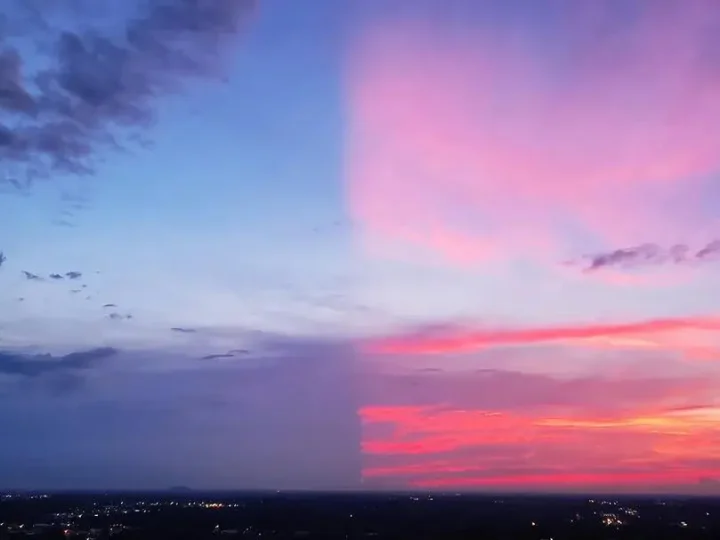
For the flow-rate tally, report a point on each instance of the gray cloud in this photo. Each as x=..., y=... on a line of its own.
x=119, y=316
x=3, y=258
x=234, y=353
x=216, y=356
x=650, y=255
x=711, y=251
x=56, y=276
x=183, y=330
x=99, y=90
x=73, y=275
x=30, y=276
x=41, y=364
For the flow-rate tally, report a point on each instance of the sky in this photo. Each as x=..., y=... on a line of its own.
x=341, y=245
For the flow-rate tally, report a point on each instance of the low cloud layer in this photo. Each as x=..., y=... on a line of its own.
x=99, y=89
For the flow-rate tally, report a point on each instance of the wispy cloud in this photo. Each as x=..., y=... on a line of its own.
x=450, y=338
x=651, y=255
x=217, y=356
x=234, y=353
x=31, y=277
x=183, y=330
x=115, y=316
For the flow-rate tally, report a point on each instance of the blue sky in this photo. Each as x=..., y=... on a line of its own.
x=236, y=170
x=476, y=183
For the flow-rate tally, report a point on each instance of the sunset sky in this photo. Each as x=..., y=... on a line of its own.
x=360, y=244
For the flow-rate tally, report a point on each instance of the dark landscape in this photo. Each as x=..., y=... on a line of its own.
x=195, y=515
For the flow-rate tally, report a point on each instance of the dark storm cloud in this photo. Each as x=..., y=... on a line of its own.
x=100, y=89
x=650, y=255
x=37, y=365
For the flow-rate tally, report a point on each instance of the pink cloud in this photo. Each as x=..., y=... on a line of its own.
x=497, y=429
x=466, y=448
x=470, y=143
x=682, y=331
